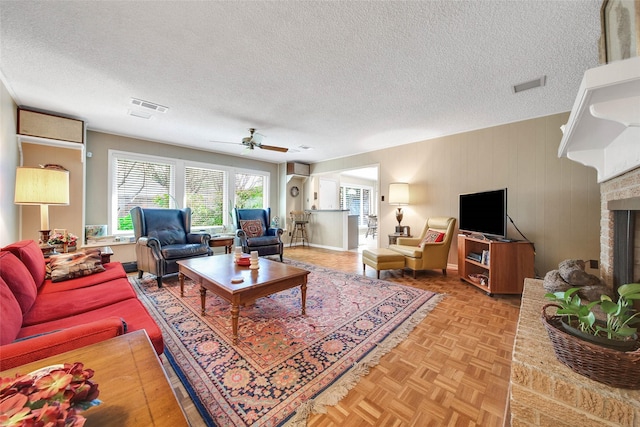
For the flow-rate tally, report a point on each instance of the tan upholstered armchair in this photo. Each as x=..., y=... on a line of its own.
x=426, y=252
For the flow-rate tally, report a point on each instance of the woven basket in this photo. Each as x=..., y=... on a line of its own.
x=611, y=367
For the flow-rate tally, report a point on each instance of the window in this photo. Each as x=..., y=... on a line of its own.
x=157, y=182
x=205, y=190
x=357, y=200
x=140, y=182
x=249, y=191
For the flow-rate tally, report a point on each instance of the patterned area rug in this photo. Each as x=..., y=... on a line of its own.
x=285, y=365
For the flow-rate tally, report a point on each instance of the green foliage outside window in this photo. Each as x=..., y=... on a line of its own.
x=125, y=223
x=249, y=199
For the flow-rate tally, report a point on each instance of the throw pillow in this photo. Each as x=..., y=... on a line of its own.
x=76, y=264
x=252, y=227
x=432, y=236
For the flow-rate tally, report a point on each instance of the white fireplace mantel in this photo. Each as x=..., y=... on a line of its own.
x=603, y=130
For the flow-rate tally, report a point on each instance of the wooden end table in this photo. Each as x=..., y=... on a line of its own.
x=226, y=241
x=105, y=254
x=393, y=238
x=134, y=388
x=216, y=274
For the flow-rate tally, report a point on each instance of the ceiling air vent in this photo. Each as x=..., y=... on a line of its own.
x=530, y=84
x=140, y=114
x=150, y=105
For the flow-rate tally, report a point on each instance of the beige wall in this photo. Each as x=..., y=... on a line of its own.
x=9, y=160
x=554, y=202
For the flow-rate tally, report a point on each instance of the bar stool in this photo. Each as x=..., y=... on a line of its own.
x=372, y=226
x=299, y=221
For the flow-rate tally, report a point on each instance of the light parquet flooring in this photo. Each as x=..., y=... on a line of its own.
x=452, y=370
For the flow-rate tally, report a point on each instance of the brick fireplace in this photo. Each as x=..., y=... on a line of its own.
x=620, y=206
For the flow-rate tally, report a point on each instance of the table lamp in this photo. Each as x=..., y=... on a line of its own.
x=44, y=187
x=399, y=196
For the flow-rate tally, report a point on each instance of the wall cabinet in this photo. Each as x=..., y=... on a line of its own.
x=505, y=264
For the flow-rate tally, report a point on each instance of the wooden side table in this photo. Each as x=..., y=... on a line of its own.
x=105, y=254
x=393, y=238
x=226, y=241
x=134, y=388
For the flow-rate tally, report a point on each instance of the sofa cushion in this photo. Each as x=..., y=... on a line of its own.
x=11, y=315
x=57, y=305
x=28, y=251
x=184, y=250
x=112, y=271
x=252, y=227
x=263, y=241
x=432, y=236
x=20, y=282
x=75, y=264
x=134, y=314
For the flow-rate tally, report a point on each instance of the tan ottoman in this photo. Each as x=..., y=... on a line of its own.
x=382, y=259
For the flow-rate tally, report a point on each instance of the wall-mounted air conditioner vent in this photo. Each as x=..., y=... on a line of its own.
x=150, y=105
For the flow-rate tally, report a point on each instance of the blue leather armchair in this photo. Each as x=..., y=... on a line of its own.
x=258, y=236
x=163, y=237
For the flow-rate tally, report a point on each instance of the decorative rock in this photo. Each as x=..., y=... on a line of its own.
x=572, y=271
x=592, y=293
x=553, y=282
x=571, y=274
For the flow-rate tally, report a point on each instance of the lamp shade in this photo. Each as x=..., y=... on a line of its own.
x=38, y=186
x=399, y=193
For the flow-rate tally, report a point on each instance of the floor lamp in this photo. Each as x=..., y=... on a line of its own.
x=43, y=187
x=399, y=196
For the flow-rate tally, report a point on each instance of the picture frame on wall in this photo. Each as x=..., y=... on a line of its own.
x=620, y=21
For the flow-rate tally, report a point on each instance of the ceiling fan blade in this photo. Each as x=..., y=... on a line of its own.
x=274, y=148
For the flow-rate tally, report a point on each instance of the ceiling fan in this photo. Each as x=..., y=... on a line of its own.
x=255, y=140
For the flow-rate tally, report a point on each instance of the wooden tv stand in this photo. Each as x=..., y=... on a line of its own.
x=509, y=263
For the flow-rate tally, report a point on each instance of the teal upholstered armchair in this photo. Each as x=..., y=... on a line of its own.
x=255, y=233
x=163, y=237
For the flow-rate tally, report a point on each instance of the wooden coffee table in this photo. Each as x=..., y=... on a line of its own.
x=215, y=274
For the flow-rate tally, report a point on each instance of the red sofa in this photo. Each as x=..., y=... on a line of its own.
x=40, y=318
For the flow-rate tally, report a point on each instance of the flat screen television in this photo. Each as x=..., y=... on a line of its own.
x=484, y=213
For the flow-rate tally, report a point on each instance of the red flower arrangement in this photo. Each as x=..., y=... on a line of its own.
x=53, y=396
x=58, y=238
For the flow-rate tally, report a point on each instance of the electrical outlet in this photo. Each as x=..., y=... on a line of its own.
x=593, y=263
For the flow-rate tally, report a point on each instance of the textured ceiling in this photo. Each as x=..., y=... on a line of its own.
x=340, y=77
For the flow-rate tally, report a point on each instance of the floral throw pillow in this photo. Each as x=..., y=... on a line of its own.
x=251, y=227
x=75, y=264
x=432, y=236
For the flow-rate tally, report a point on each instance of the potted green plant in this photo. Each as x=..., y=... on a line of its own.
x=614, y=331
